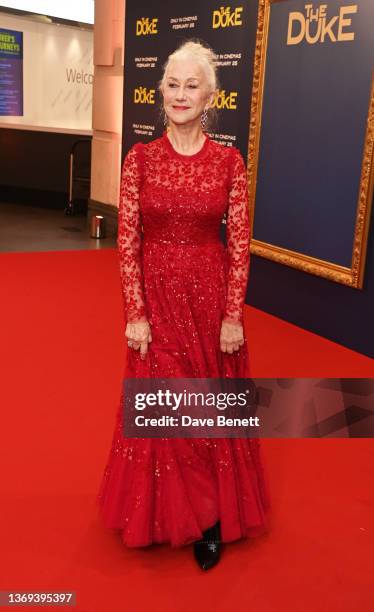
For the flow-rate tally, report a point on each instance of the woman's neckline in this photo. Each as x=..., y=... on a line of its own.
x=175, y=153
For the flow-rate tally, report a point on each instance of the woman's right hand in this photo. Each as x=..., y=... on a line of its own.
x=138, y=334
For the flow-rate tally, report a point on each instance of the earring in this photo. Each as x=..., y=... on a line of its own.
x=204, y=118
x=165, y=119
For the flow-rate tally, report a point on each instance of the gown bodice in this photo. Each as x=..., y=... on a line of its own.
x=167, y=198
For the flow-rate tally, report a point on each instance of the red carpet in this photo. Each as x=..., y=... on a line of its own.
x=62, y=361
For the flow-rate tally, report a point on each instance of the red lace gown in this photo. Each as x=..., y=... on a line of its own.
x=177, y=273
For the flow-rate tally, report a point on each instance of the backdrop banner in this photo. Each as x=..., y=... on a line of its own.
x=153, y=31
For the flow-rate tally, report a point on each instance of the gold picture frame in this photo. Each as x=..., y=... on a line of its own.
x=352, y=276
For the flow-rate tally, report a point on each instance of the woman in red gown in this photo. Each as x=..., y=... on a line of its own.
x=183, y=298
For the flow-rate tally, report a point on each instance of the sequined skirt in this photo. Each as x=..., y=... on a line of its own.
x=170, y=490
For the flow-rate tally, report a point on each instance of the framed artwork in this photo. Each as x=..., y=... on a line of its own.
x=311, y=135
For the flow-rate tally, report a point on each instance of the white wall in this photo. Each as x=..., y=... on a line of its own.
x=57, y=75
x=82, y=10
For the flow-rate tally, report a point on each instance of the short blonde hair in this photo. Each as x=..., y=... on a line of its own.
x=202, y=54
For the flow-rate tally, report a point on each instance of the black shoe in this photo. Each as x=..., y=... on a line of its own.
x=207, y=551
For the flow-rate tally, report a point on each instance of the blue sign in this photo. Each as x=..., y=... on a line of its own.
x=11, y=73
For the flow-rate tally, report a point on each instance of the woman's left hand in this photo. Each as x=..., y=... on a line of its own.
x=231, y=337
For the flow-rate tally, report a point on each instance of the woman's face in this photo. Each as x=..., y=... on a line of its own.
x=185, y=91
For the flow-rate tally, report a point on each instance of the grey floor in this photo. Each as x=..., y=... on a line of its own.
x=30, y=228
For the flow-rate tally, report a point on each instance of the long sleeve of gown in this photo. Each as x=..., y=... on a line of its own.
x=238, y=237
x=129, y=239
